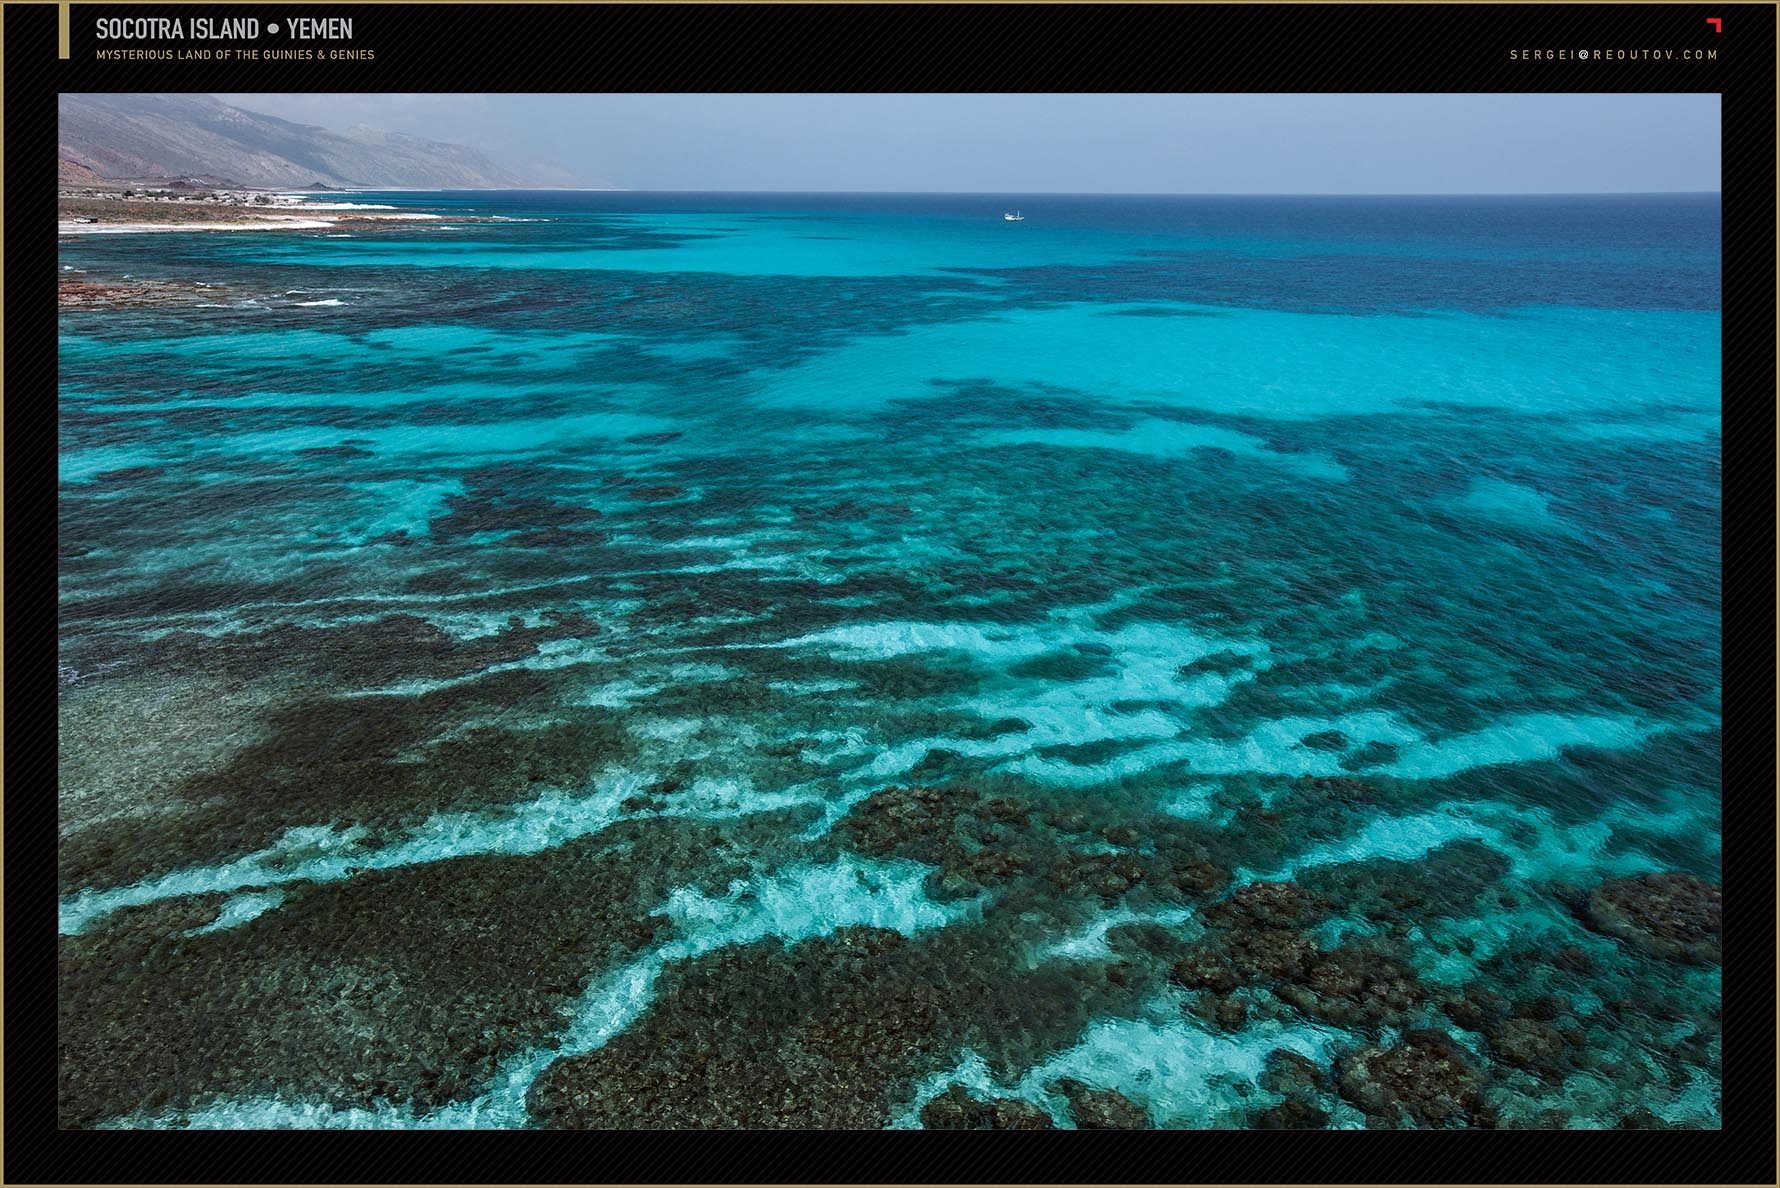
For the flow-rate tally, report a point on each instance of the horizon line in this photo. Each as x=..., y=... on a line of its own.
x=1026, y=193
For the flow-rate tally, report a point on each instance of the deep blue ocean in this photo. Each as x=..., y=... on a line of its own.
x=704, y=660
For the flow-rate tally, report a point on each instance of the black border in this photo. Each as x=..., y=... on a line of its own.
x=934, y=47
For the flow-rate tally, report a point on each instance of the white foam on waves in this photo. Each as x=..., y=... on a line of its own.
x=1183, y=1076
x=796, y=903
x=324, y=854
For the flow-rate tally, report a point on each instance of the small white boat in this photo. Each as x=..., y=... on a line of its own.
x=1016, y=217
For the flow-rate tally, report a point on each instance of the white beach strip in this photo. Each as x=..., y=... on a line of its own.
x=298, y=205
x=269, y=224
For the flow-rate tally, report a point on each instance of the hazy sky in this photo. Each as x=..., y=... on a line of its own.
x=1012, y=144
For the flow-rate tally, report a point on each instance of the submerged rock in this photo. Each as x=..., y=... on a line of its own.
x=955, y=1109
x=1066, y=667
x=1373, y=754
x=1671, y=915
x=1529, y=1044
x=1011, y=1113
x=947, y=886
x=1266, y=905
x=1106, y=875
x=1195, y=877
x=1271, y=953
x=1067, y=821
x=1445, y=882
x=1427, y=1080
x=1205, y=968
x=911, y=822
x=1102, y=1109
x=988, y=838
x=1476, y=1007
x=830, y=1033
x=1354, y=988
x=1142, y=937
x=1292, y=1075
x=411, y=984
x=1255, y=938
x=1225, y=1013
x=1219, y=663
x=1326, y=740
x=1007, y=808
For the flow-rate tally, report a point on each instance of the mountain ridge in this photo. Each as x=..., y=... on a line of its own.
x=138, y=135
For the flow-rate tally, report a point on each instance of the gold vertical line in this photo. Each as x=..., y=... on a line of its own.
x=62, y=29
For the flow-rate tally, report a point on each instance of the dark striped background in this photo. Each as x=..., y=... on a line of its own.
x=929, y=47
x=949, y=47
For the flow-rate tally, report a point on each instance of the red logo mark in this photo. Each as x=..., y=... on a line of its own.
x=1717, y=24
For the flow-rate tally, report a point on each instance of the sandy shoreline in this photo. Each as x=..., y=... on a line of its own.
x=82, y=215
x=256, y=223
x=87, y=214
x=69, y=228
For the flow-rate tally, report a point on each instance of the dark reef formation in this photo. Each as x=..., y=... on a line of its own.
x=1671, y=915
x=832, y=1032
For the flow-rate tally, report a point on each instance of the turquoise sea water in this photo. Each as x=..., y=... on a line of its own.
x=712, y=660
